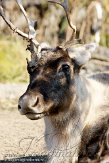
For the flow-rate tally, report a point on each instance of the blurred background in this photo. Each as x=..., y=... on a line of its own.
x=52, y=28
x=92, y=21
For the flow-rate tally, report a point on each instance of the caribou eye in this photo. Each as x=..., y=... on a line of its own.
x=65, y=67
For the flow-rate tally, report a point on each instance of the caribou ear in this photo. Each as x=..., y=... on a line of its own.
x=81, y=55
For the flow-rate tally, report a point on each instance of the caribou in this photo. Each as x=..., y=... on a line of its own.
x=75, y=107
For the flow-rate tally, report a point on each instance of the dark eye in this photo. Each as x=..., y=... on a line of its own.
x=65, y=67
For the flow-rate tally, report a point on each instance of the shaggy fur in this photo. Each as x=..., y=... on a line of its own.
x=75, y=108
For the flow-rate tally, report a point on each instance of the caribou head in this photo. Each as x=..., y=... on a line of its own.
x=52, y=81
x=52, y=71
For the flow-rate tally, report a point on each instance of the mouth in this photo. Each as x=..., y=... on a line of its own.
x=35, y=116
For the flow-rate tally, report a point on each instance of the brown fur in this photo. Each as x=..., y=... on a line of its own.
x=75, y=108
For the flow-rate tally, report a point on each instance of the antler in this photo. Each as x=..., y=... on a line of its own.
x=31, y=25
x=64, y=4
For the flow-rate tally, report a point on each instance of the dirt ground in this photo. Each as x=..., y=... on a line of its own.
x=21, y=140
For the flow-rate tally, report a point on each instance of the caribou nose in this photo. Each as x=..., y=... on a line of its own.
x=23, y=104
x=27, y=103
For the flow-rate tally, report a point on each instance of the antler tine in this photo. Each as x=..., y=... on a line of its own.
x=30, y=37
x=32, y=29
x=64, y=4
x=12, y=27
x=31, y=23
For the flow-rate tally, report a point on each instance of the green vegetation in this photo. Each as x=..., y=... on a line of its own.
x=13, y=60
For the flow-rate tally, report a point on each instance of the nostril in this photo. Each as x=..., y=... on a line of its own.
x=37, y=101
x=19, y=107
